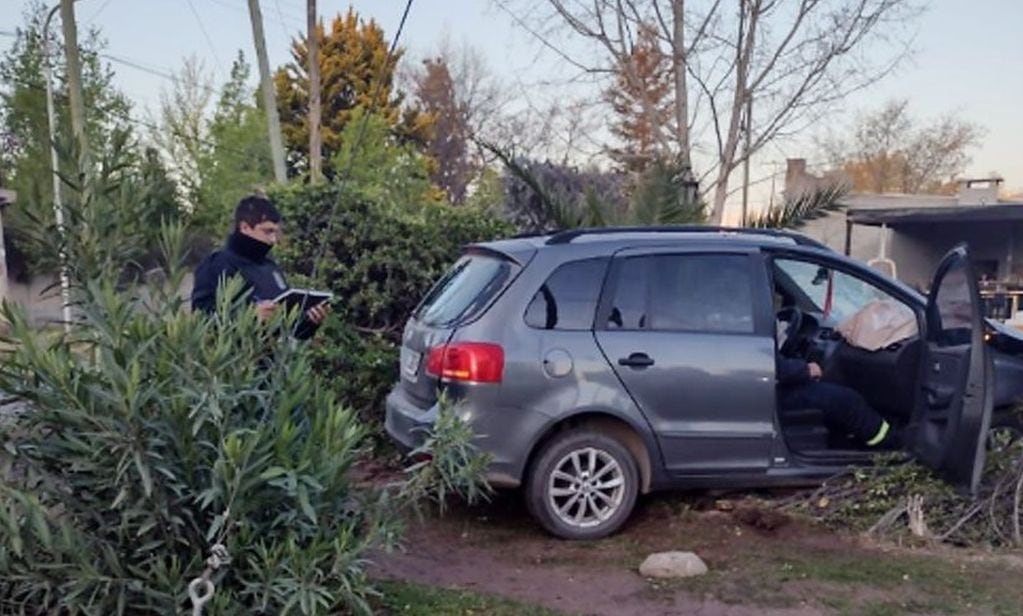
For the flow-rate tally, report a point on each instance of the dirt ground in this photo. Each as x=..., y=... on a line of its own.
x=760, y=563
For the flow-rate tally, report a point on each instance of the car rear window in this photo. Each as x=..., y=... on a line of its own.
x=465, y=290
x=568, y=299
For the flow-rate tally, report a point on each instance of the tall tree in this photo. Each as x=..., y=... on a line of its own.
x=462, y=96
x=182, y=129
x=355, y=71
x=448, y=143
x=217, y=152
x=641, y=98
x=237, y=160
x=795, y=58
x=889, y=150
x=23, y=122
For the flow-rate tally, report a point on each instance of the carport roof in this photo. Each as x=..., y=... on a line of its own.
x=893, y=217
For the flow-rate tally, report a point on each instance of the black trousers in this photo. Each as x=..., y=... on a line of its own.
x=845, y=410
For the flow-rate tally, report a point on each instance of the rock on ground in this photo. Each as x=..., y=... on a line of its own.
x=672, y=565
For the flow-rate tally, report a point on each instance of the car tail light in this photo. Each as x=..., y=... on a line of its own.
x=478, y=362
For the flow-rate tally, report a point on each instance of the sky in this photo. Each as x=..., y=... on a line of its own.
x=966, y=61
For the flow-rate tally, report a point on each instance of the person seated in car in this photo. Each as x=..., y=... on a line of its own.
x=845, y=410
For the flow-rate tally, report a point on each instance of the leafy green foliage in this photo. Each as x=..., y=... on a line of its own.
x=25, y=151
x=154, y=434
x=376, y=165
x=114, y=222
x=795, y=212
x=411, y=599
x=659, y=197
x=379, y=259
x=235, y=160
x=356, y=72
x=447, y=457
x=543, y=197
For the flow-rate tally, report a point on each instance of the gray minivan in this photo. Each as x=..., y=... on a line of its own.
x=595, y=365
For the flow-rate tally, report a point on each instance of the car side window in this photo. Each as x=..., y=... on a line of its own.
x=828, y=290
x=567, y=300
x=698, y=293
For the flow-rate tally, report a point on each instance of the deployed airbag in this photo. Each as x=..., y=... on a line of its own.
x=879, y=324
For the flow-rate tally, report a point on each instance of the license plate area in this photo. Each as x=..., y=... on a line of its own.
x=410, y=361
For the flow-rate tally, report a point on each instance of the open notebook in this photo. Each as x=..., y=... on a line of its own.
x=303, y=299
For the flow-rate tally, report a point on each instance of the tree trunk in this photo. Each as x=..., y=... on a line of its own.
x=746, y=42
x=681, y=89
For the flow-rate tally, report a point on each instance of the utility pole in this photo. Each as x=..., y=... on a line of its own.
x=74, y=76
x=313, y=52
x=273, y=121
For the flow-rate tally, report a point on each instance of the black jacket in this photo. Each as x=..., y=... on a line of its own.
x=245, y=257
x=791, y=371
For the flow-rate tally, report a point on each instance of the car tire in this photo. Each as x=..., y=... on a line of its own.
x=583, y=484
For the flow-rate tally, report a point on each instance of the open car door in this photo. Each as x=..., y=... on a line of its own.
x=954, y=402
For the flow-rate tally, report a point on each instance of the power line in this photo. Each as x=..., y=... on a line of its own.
x=206, y=35
x=280, y=20
x=295, y=21
x=97, y=13
x=158, y=73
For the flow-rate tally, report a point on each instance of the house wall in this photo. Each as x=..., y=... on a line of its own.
x=917, y=249
x=866, y=241
x=40, y=297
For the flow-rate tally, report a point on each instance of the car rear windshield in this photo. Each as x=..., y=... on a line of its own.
x=465, y=290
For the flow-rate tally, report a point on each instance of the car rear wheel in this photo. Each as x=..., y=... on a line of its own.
x=583, y=485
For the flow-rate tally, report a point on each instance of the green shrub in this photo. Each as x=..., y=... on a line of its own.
x=379, y=259
x=154, y=434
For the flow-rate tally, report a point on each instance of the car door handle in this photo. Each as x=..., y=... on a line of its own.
x=636, y=360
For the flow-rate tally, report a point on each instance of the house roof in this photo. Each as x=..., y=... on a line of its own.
x=1002, y=212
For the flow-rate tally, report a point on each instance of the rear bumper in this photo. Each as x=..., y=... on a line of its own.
x=506, y=433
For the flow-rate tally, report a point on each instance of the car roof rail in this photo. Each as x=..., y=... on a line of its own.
x=566, y=236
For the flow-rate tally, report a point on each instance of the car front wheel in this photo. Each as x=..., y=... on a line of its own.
x=583, y=485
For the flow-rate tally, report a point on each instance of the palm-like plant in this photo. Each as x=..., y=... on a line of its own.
x=656, y=200
x=794, y=212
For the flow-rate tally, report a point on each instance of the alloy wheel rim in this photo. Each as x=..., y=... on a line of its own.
x=586, y=487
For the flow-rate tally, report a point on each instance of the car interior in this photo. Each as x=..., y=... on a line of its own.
x=858, y=334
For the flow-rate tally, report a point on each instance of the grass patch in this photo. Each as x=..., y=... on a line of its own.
x=407, y=599
x=855, y=582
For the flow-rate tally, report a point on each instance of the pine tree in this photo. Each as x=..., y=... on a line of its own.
x=448, y=145
x=355, y=71
x=641, y=100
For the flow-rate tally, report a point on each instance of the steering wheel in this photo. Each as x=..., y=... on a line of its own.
x=794, y=316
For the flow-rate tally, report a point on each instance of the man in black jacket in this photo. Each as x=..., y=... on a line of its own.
x=245, y=254
x=845, y=410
